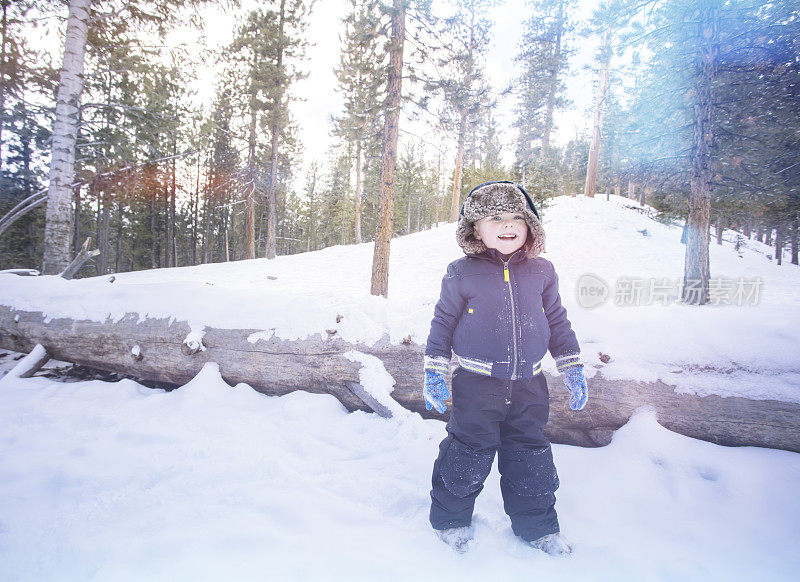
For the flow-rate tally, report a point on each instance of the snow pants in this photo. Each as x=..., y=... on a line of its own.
x=505, y=416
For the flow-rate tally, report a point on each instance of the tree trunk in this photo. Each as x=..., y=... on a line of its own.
x=77, y=217
x=58, y=218
x=226, y=238
x=274, y=366
x=118, y=249
x=102, y=244
x=779, y=242
x=719, y=227
x=207, y=214
x=196, y=213
x=272, y=197
x=553, y=81
x=697, y=267
x=597, y=126
x=359, y=187
x=455, y=204
x=170, y=213
x=3, y=87
x=793, y=233
x=383, y=230
x=154, y=252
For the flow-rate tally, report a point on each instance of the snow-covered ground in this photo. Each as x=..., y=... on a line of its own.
x=116, y=482
x=745, y=345
x=103, y=481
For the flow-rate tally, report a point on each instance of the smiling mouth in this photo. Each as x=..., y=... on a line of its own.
x=507, y=236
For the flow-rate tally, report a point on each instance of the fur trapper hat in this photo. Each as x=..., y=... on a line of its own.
x=493, y=198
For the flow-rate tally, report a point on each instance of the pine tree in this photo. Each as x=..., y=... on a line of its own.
x=462, y=83
x=544, y=59
x=362, y=85
x=383, y=230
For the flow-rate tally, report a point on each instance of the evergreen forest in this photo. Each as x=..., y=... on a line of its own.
x=695, y=113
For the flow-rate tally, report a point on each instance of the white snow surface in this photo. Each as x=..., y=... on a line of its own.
x=730, y=350
x=376, y=380
x=116, y=482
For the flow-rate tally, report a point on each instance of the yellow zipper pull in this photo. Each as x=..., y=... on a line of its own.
x=505, y=272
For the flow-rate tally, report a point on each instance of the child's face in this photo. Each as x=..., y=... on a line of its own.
x=505, y=232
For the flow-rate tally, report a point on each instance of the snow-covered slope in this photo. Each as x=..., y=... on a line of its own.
x=746, y=345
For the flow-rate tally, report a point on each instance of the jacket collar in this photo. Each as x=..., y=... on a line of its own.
x=495, y=256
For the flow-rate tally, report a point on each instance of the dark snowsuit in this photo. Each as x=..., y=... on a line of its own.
x=499, y=317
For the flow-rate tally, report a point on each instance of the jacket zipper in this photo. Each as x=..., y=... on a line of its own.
x=507, y=277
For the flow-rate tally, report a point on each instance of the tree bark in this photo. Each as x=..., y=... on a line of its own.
x=103, y=243
x=196, y=213
x=274, y=366
x=118, y=246
x=3, y=84
x=170, y=192
x=76, y=221
x=58, y=218
x=272, y=198
x=359, y=188
x=154, y=251
x=597, y=127
x=553, y=81
x=383, y=230
x=455, y=205
x=697, y=266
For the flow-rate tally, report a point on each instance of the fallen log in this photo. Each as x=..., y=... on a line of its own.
x=170, y=351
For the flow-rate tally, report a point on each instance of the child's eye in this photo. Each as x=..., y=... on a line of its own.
x=497, y=218
x=519, y=217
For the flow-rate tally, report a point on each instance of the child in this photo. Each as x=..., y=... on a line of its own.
x=499, y=312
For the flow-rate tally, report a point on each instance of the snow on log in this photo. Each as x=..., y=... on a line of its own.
x=30, y=364
x=193, y=343
x=152, y=349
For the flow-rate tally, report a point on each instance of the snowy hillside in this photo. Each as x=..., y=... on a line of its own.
x=745, y=345
x=115, y=482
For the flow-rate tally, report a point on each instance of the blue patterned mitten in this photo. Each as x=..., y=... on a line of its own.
x=575, y=382
x=572, y=369
x=435, y=390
